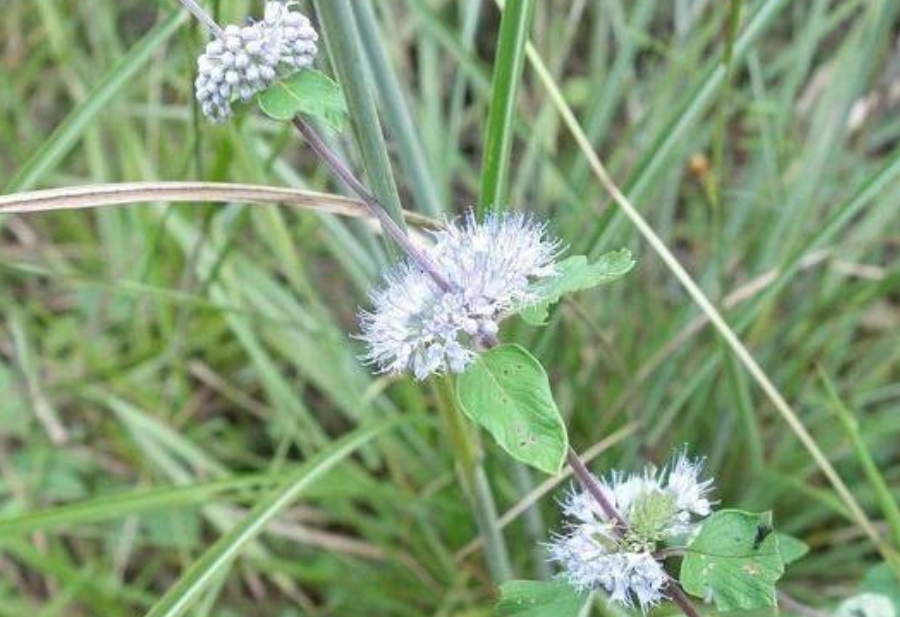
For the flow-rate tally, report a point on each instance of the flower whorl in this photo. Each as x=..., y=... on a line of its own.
x=657, y=506
x=490, y=267
x=245, y=60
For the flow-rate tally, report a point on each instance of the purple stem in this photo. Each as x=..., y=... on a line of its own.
x=680, y=598
x=589, y=483
x=198, y=12
x=371, y=203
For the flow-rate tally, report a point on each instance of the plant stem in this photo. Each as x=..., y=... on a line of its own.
x=589, y=483
x=535, y=525
x=680, y=598
x=342, y=171
x=882, y=491
x=204, y=17
x=474, y=481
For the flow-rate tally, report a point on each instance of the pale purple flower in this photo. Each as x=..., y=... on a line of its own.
x=679, y=482
x=657, y=506
x=416, y=325
x=496, y=262
x=245, y=60
x=632, y=579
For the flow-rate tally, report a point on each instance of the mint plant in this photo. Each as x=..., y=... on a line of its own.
x=438, y=312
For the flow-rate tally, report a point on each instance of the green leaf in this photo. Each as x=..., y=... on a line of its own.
x=733, y=560
x=790, y=548
x=576, y=274
x=507, y=392
x=308, y=92
x=539, y=599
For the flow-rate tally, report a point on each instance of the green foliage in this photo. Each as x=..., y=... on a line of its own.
x=507, y=392
x=228, y=324
x=307, y=92
x=539, y=599
x=576, y=274
x=113, y=84
x=790, y=548
x=733, y=560
x=203, y=572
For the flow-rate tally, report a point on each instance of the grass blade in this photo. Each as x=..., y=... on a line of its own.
x=346, y=51
x=882, y=491
x=112, y=507
x=67, y=134
x=204, y=571
x=514, y=28
x=397, y=115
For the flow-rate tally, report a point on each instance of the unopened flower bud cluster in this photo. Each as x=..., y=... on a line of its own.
x=658, y=507
x=247, y=59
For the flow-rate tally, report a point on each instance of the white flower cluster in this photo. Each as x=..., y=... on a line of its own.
x=490, y=268
x=657, y=507
x=246, y=60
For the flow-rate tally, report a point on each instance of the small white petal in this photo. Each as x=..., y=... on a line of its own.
x=595, y=555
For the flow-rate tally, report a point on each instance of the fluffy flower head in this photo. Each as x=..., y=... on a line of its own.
x=245, y=60
x=632, y=579
x=490, y=267
x=656, y=506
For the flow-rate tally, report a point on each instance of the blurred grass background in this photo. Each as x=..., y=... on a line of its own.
x=162, y=367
